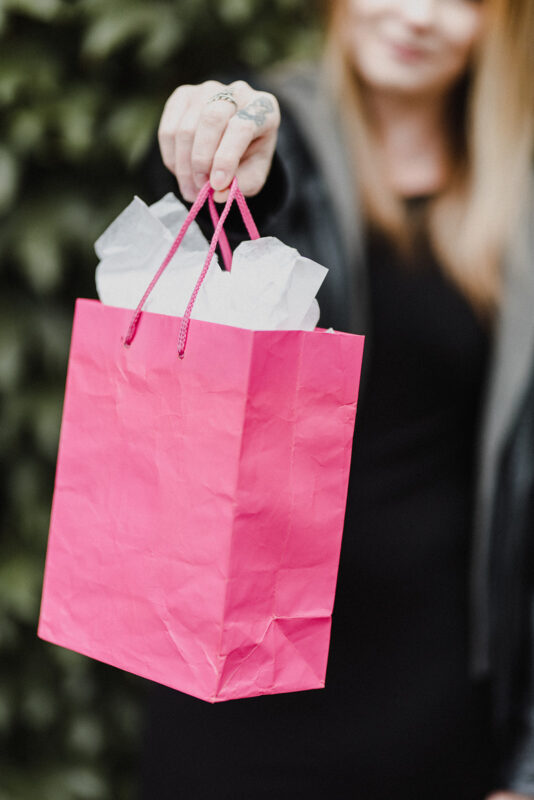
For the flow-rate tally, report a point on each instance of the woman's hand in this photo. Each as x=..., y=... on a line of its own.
x=218, y=140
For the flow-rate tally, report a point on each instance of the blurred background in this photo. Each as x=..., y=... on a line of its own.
x=82, y=87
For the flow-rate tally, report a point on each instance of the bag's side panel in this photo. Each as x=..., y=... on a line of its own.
x=324, y=428
x=144, y=499
x=326, y=399
x=262, y=515
x=295, y=462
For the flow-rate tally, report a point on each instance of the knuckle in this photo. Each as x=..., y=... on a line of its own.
x=200, y=163
x=273, y=118
x=276, y=106
x=213, y=115
x=246, y=126
x=184, y=182
x=271, y=97
x=177, y=96
x=184, y=88
x=240, y=85
x=211, y=85
x=185, y=135
x=226, y=163
x=165, y=131
x=240, y=120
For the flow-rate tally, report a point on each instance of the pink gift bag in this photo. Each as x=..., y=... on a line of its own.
x=200, y=496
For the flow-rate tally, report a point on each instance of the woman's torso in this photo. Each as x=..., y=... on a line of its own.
x=399, y=715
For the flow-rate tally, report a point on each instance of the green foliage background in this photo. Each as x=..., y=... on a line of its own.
x=82, y=86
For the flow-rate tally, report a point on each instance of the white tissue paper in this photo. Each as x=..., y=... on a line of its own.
x=270, y=287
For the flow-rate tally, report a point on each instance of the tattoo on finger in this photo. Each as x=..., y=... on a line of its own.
x=257, y=111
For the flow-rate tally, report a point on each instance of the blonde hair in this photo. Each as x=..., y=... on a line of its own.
x=473, y=219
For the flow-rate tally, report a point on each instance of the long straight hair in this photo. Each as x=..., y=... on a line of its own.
x=492, y=127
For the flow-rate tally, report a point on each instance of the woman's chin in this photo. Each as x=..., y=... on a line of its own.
x=399, y=78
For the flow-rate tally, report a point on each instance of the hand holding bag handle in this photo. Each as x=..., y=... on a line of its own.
x=205, y=192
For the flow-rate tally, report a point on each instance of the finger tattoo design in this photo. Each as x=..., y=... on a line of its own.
x=257, y=110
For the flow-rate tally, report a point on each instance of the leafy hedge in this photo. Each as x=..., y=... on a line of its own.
x=82, y=85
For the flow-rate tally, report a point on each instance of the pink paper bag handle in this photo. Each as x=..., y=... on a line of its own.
x=205, y=192
x=226, y=250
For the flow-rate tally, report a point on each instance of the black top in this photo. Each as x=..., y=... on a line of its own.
x=399, y=716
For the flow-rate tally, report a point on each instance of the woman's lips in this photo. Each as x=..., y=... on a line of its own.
x=406, y=53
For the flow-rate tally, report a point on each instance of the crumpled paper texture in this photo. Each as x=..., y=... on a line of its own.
x=199, y=503
x=270, y=286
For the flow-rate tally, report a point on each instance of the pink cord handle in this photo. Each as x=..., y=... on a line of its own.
x=205, y=192
x=235, y=194
x=226, y=250
x=250, y=225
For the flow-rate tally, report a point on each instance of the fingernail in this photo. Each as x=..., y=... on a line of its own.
x=200, y=179
x=219, y=180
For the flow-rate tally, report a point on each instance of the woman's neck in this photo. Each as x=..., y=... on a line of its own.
x=412, y=134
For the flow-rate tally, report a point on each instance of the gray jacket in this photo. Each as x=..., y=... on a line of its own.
x=327, y=184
